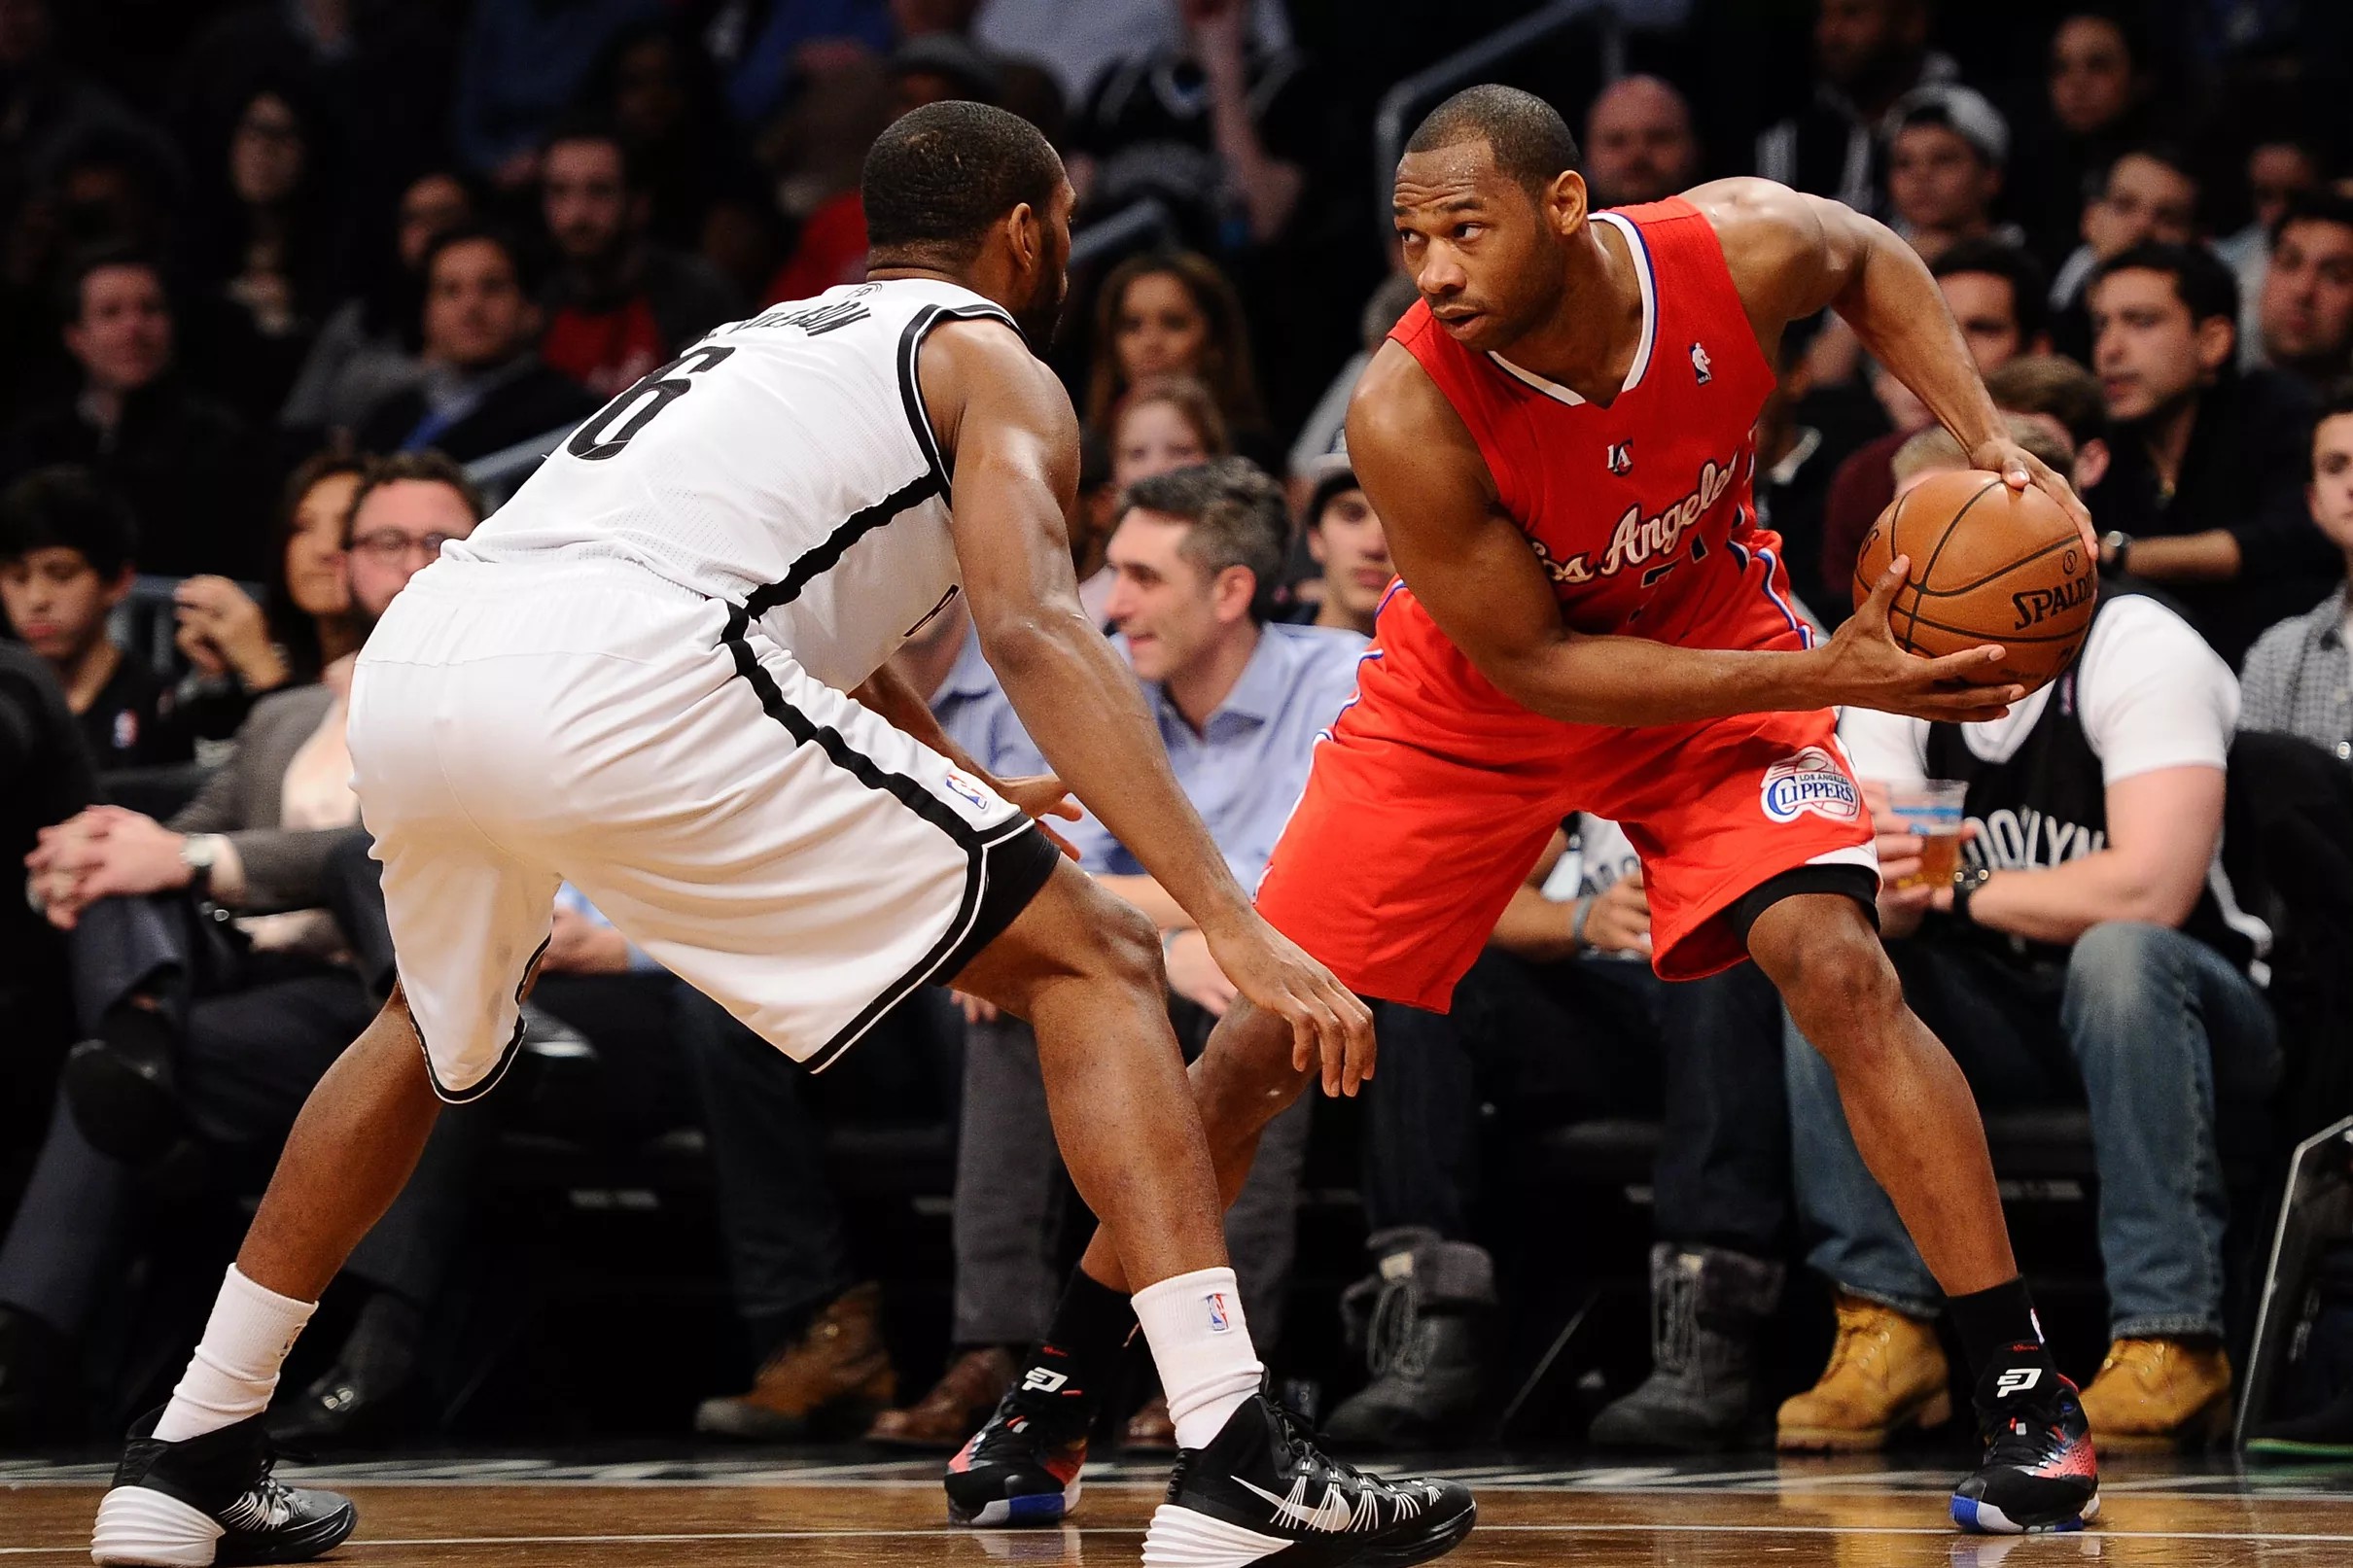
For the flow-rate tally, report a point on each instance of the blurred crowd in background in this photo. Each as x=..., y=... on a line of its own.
x=293, y=291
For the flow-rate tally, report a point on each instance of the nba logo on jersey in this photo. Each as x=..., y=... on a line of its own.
x=1219, y=1320
x=967, y=788
x=1700, y=367
x=1811, y=782
x=1622, y=458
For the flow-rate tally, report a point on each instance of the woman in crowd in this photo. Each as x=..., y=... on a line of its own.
x=268, y=248
x=238, y=650
x=1174, y=313
x=1167, y=422
x=368, y=349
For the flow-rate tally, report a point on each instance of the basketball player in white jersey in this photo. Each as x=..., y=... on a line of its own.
x=642, y=676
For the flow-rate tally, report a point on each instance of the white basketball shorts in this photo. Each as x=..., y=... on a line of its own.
x=761, y=835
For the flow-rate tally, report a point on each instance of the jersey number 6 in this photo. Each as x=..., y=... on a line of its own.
x=590, y=440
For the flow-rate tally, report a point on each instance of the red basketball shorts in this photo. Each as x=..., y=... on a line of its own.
x=1433, y=794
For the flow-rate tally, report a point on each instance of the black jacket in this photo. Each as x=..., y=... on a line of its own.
x=522, y=400
x=2244, y=472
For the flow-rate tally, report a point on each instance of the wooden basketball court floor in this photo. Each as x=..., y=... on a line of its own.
x=842, y=1510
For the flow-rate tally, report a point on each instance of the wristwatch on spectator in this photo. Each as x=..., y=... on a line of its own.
x=200, y=853
x=2116, y=541
x=1966, y=881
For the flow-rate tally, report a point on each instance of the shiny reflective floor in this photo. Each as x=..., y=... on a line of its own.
x=844, y=1511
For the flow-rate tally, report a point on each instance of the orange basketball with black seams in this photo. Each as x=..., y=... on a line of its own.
x=1990, y=564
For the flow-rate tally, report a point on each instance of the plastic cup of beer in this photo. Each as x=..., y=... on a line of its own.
x=1931, y=809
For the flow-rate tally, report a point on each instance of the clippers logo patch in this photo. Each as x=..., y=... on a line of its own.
x=1810, y=782
x=1622, y=458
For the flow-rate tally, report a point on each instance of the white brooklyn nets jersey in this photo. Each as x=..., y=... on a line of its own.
x=784, y=464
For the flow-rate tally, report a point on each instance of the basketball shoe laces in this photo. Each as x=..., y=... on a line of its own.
x=1030, y=1420
x=268, y=1503
x=2026, y=1435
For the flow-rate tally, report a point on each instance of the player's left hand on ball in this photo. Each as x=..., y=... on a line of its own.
x=2021, y=467
x=1328, y=1024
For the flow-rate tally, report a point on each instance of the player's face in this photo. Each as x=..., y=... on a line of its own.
x=1162, y=601
x=314, y=548
x=1981, y=304
x=57, y=602
x=2146, y=347
x=2308, y=299
x=1477, y=245
x=2331, y=491
x=1349, y=542
x=584, y=197
x=396, y=534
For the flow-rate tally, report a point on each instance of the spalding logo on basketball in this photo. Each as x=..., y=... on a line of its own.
x=1989, y=565
x=1811, y=782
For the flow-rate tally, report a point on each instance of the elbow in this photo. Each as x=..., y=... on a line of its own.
x=1017, y=641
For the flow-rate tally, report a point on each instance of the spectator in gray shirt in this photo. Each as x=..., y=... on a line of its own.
x=2298, y=678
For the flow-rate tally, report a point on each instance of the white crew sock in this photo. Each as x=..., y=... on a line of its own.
x=1201, y=1343
x=235, y=1368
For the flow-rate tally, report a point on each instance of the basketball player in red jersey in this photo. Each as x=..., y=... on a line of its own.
x=1558, y=435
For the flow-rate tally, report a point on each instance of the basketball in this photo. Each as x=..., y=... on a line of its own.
x=1990, y=564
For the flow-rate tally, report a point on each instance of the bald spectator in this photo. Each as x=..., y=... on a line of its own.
x=1639, y=143
x=2150, y=196
x=2305, y=314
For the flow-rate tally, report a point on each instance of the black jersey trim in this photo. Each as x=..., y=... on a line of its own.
x=1005, y=853
x=824, y=557
x=910, y=390
x=514, y=1044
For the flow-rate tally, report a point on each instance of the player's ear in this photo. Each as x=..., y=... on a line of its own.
x=1565, y=202
x=1026, y=232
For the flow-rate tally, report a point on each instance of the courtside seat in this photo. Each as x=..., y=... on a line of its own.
x=2045, y=1143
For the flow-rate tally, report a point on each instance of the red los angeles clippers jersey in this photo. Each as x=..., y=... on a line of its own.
x=1643, y=513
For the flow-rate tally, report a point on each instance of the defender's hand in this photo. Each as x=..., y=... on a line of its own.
x=2020, y=468
x=1327, y=1022
x=1041, y=797
x=1864, y=667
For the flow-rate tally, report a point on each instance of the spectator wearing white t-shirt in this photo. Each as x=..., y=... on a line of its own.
x=2089, y=948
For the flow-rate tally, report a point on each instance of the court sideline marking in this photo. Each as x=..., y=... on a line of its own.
x=2267, y=1537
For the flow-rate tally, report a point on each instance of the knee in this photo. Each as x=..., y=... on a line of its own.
x=1244, y=1077
x=1844, y=996
x=2112, y=965
x=1127, y=948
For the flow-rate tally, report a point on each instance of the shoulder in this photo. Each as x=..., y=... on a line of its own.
x=1397, y=403
x=281, y=709
x=2140, y=639
x=1318, y=651
x=983, y=362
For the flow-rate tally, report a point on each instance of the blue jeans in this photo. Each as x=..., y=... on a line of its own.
x=2146, y=1027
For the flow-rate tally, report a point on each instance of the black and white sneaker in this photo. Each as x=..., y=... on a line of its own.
x=2040, y=1472
x=211, y=1501
x=1262, y=1492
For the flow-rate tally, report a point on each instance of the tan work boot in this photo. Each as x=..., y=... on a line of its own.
x=2153, y=1396
x=955, y=1408
x=831, y=1380
x=1886, y=1372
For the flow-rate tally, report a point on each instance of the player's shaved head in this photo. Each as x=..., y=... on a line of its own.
x=1527, y=137
x=942, y=175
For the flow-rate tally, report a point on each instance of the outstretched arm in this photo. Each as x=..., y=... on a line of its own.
x=1472, y=570
x=1792, y=254
x=1014, y=445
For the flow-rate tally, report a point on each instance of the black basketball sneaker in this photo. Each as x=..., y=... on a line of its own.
x=1021, y=1469
x=2040, y=1472
x=1262, y=1492
x=210, y=1501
